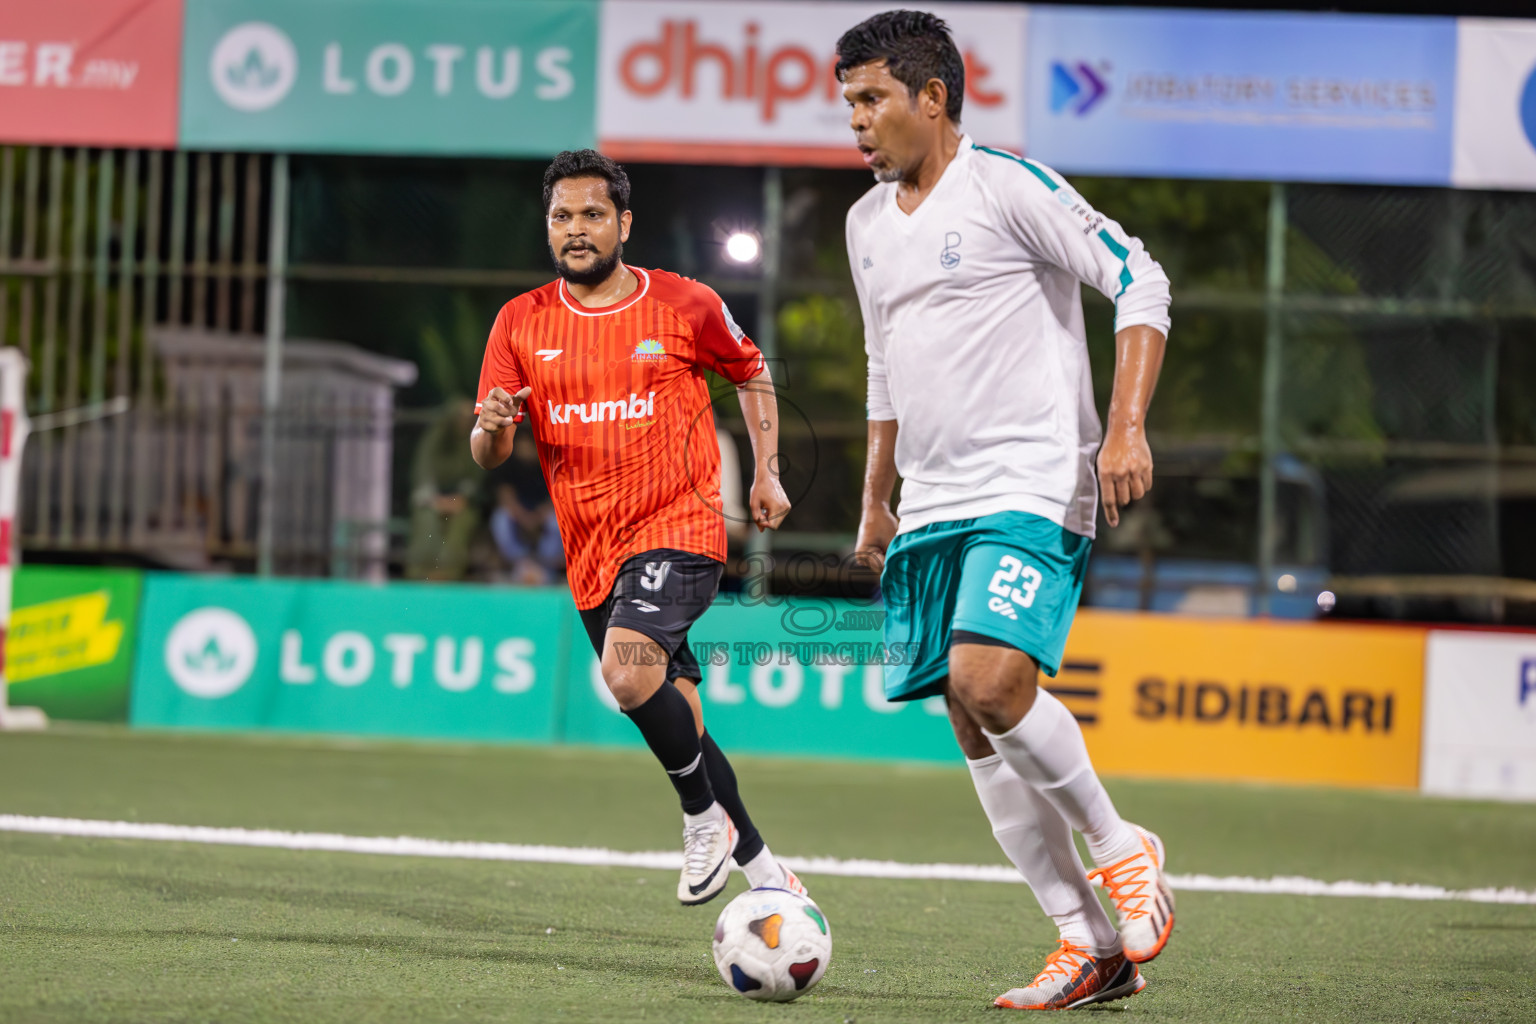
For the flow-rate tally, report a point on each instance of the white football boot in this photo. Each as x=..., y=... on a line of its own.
x=1142, y=897
x=709, y=839
x=792, y=882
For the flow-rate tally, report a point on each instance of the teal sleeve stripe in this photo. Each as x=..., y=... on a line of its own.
x=1122, y=254
x=1120, y=251
x=1045, y=179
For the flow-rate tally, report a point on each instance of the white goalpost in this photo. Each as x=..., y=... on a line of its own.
x=14, y=427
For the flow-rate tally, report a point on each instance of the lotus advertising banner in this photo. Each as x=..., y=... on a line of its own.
x=314, y=656
x=799, y=676
x=1269, y=97
x=462, y=77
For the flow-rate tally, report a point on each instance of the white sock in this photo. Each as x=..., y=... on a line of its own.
x=1046, y=748
x=1038, y=840
x=763, y=872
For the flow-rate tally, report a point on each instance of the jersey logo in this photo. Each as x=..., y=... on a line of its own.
x=656, y=575
x=644, y=606
x=649, y=351
x=949, y=259
x=632, y=408
x=868, y=263
x=549, y=353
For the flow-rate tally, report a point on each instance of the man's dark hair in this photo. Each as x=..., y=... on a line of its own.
x=915, y=46
x=587, y=163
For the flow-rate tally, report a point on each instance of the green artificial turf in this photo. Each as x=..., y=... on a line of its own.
x=96, y=930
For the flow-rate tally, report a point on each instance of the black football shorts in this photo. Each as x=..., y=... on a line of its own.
x=659, y=593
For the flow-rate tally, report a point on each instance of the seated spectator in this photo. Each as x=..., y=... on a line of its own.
x=445, y=491
x=523, y=517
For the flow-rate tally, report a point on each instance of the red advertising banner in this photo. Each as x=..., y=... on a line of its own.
x=741, y=82
x=90, y=72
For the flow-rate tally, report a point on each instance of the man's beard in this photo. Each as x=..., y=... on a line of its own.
x=597, y=273
x=887, y=175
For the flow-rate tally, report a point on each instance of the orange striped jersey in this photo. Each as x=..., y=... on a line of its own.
x=620, y=410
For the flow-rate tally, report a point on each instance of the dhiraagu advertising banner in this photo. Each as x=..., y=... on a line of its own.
x=493, y=77
x=406, y=659
x=69, y=650
x=1263, y=96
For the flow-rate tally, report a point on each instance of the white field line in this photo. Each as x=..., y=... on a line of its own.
x=408, y=846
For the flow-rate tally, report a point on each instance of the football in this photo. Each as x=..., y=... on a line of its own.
x=772, y=945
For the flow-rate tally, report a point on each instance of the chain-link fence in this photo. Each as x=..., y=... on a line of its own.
x=1345, y=412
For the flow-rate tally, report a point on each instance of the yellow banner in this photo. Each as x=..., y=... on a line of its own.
x=59, y=636
x=1175, y=697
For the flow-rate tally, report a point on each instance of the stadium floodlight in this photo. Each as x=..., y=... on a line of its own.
x=742, y=247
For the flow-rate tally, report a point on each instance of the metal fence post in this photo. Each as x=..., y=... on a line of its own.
x=767, y=309
x=272, y=370
x=1274, y=337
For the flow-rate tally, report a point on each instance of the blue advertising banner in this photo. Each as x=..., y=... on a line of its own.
x=1273, y=97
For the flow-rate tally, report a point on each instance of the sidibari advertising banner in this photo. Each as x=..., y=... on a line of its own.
x=315, y=656
x=712, y=82
x=462, y=77
x=69, y=650
x=1177, y=697
x=1480, y=715
x=1495, y=104
x=1271, y=97
x=90, y=72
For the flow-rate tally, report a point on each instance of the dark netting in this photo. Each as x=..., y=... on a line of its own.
x=1409, y=319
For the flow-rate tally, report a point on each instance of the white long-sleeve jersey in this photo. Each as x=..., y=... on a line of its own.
x=973, y=324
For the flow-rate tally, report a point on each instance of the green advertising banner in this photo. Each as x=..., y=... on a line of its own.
x=781, y=676
x=469, y=77
x=69, y=650
x=416, y=660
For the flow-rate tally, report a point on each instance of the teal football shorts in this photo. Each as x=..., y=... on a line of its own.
x=1009, y=576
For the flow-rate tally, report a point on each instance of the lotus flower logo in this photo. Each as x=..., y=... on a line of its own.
x=253, y=66
x=210, y=658
x=210, y=652
x=252, y=73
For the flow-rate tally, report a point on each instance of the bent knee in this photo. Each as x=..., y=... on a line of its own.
x=995, y=692
x=630, y=685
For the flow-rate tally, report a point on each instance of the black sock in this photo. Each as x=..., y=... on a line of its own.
x=723, y=777
x=666, y=722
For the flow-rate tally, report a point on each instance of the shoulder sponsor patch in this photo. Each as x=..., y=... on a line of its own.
x=730, y=322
